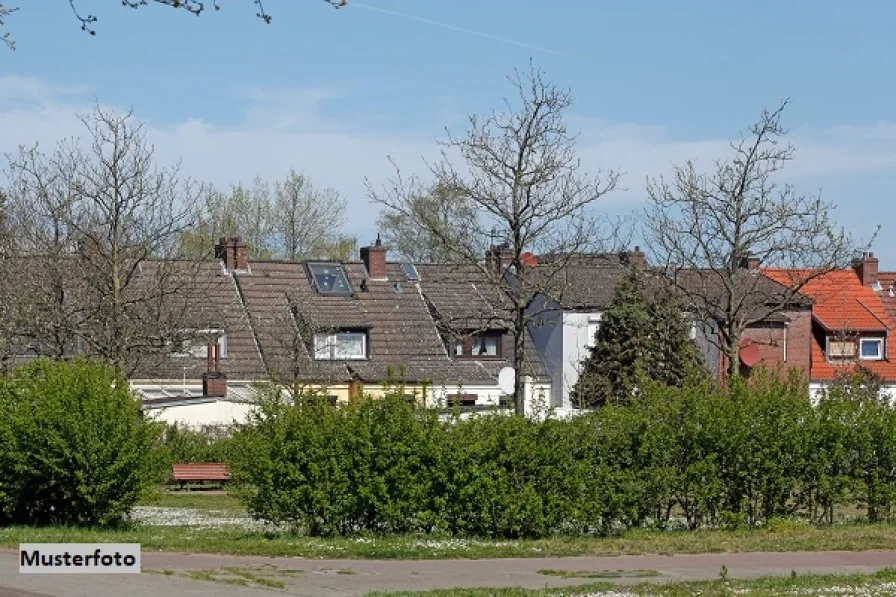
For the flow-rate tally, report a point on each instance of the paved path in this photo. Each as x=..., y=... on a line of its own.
x=356, y=577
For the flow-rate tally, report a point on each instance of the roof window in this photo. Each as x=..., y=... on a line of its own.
x=330, y=279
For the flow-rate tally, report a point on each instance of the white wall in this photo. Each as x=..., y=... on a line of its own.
x=576, y=339
x=218, y=412
x=816, y=387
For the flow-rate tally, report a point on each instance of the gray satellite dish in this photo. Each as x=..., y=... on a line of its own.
x=506, y=378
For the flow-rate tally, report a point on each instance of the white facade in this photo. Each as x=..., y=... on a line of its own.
x=185, y=405
x=562, y=340
x=816, y=388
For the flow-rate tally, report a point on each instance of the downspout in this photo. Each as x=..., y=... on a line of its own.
x=786, y=327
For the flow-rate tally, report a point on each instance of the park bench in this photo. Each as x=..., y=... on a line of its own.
x=199, y=472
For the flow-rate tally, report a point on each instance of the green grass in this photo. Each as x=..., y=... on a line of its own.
x=871, y=585
x=229, y=540
x=199, y=501
x=232, y=575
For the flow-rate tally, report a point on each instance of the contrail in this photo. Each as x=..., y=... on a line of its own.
x=455, y=28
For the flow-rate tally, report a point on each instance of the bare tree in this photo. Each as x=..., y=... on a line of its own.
x=306, y=221
x=712, y=229
x=521, y=175
x=4, y=35
x=416, y=243
x=42, y=199
x=193, y=7
x=98, y=229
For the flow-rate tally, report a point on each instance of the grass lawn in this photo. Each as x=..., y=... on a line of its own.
x=238, y=541
x=198, y=500
x=878, y=584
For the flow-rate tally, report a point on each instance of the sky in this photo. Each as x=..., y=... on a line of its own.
x=336, y=94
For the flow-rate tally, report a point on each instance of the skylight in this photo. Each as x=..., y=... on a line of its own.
x=410, y=272
x=330, y=279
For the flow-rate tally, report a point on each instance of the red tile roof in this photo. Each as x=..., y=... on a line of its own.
x=843, y=304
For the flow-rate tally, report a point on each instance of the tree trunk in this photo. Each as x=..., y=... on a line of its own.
x=519, y=345
x=733, y=352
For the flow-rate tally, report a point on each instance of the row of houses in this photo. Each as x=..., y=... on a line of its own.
x=440, y=330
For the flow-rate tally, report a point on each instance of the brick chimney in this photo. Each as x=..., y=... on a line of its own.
x=214, y=381
x=866, y=269
x=498, y=257
x=751, y=263
x=637, y=258
x=233, y=253
x=374, y=258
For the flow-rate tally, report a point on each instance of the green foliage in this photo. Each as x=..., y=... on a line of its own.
x=642, y=334
x=753, y=454
x=210, y=444
x=73, y=447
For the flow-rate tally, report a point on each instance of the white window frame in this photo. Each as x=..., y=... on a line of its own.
x=325, y=345
x=593, y=328
x=830, y=356
x=880, y=351
x=195, y=344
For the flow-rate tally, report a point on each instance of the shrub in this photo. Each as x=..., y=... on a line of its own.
x=209, y=444
x=73, y=447
x=733, y=457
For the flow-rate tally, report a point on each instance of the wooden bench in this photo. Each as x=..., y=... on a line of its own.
x=199, y=472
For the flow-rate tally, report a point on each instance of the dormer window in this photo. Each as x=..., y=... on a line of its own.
x=871, y=349
x=194, y=343
x=330, y=279
x=841, y=349
x=480, y=345
x=340, y=346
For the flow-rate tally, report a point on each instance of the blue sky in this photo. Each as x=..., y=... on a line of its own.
x=334, y=92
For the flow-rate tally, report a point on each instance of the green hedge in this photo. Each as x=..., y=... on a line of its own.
x=701, y=455
x=73, y=446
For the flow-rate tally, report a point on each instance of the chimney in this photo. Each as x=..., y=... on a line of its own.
x=866, y=269
x=498, y=257
x=233, y=253
x=637, y=258
x=751, y=263
x=214, y=382
x=374, y=258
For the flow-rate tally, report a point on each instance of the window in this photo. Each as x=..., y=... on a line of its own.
x=195, y=344
x=410, y=272
x=871, y=349
x=593, y=328
x=482, y=345
x=340, y=346
x=841, y=349
x=330, y=279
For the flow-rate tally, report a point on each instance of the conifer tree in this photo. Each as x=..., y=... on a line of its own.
x=642, y=333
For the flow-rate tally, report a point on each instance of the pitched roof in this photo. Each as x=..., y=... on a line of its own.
x=843, y=304
x=761, y=297
x=404, y=340
x=888, y=292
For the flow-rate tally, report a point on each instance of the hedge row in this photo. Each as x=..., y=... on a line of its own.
x=715, y=457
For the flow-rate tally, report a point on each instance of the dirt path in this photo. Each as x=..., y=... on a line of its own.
x=300, y=576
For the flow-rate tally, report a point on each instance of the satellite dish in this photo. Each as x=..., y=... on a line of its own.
x=506, y=378
x=529, y=259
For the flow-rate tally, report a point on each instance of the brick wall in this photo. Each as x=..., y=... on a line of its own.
x=770, y=338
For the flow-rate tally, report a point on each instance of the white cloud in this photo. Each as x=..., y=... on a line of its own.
x=284, y=129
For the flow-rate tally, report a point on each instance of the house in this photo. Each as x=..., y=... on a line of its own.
x=852, y=320
x=776, y=317
x=340, y=328
x=564, y=325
